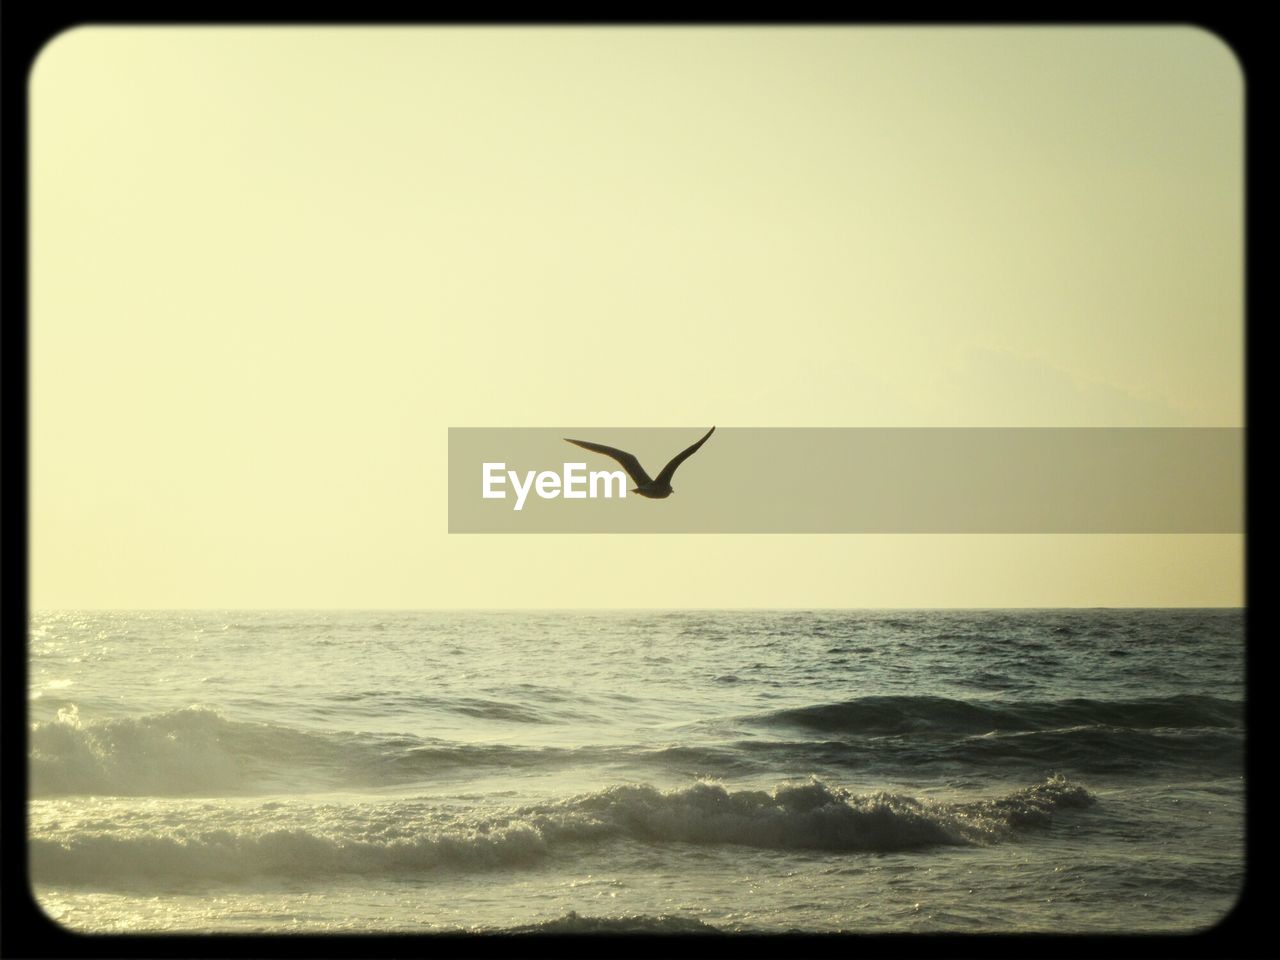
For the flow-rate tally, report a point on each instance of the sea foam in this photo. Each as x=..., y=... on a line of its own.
x=223, y=840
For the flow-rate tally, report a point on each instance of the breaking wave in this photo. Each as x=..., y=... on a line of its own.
x=233, y=841
x=198, y=752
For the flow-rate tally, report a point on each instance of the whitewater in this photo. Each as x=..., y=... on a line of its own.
x=627, y=771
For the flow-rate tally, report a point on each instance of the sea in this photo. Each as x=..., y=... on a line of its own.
x=687, y=772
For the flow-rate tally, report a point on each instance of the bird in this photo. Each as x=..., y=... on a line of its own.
x=657, y=488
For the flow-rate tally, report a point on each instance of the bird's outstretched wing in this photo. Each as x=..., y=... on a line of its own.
x=628, y=461
x=669, y=470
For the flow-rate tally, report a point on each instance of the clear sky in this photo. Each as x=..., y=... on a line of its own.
x=271, y=267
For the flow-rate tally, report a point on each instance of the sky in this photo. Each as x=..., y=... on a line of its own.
x=270, y=267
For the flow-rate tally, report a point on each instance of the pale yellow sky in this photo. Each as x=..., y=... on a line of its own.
x=271, y=266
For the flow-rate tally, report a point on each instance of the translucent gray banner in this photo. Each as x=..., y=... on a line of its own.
x=856, y=480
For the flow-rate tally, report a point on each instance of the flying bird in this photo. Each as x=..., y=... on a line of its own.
x=658, y=487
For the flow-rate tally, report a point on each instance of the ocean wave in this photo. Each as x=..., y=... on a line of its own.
x=167, y=842
x=572, y=923
x=922, y=714
x=1097, y=749
x=198, y=752
x=1087, y=750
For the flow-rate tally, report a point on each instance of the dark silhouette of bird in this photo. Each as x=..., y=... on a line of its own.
x=658, y=487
